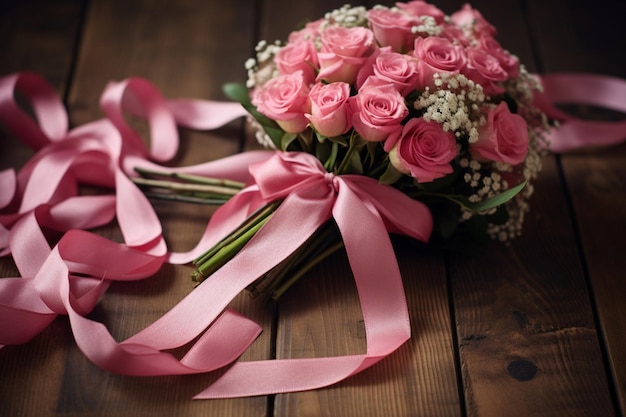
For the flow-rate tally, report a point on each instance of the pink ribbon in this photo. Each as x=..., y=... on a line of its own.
x=589, y=89
x=70, y=277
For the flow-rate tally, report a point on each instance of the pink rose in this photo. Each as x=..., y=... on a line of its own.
x=284, y=99
x=504, y=139
x=485, y=69
x=423, y=150
x=455, y=34
x=472, y=20
x=508, y=62
x=343, y=53
x=393, y=28
x=400, y=70
x=329, y=110
x=437, y=55
x=298, y=56
x=420, y=8
x=378, y=110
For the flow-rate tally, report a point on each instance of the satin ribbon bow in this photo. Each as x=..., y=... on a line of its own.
x=365, y=211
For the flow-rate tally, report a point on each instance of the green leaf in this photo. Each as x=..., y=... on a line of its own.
x=275, y=134
x=340, y=140
x=286, y=140
x=329, y=163
x=355, y=166
x=390, y=175
x=372, y=149
x=497, y=200
x=237, y=92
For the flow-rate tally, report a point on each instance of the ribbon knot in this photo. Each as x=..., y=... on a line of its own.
x=288, y=172
x=330, y=179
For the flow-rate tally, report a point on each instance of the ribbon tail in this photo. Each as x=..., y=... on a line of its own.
x=588, y=89
x=577, y=134
x=291, y=225
x=385, y=314
x=23, y=315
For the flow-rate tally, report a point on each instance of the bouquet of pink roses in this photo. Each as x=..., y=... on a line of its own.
x=427, y=103
x=388, y=120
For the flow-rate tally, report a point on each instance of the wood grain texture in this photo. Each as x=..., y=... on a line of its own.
x=36, y=36
x=527, y=338
x=529, y=344
x=530, y=329
x=595, y=177
x=321, y=316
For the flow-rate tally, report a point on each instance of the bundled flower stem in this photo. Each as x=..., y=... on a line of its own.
x=186, y=187
x=276, y=282
x=229, y=246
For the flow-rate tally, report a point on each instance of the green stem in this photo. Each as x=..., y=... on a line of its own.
x=313, y=248
x=330, y=162
x=196, y=179
x=348, y=156
x=250, y=222
x=184, y=187
x=187, y=198
x=227, y=252
x=277, y=293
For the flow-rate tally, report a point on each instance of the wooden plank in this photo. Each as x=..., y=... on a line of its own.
x=321, y=316
x=37, y=36
x=594, y=177
x=179, y=48
x=527, y=336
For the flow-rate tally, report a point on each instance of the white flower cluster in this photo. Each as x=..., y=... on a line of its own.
x=429, y=26
x=259, y=133
x=346, y=16
x=485, y=185
x=262, y=68
x=455, y=104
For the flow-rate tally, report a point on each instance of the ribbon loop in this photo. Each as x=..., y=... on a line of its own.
x=52, y=121
x=141, y=98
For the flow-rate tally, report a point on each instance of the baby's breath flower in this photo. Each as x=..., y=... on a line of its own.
x=346, y=16
x=454, y=103
x=262, y=68
x=429, y=27
x=262, y=138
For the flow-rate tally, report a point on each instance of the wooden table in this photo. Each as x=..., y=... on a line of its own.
x=531, y=329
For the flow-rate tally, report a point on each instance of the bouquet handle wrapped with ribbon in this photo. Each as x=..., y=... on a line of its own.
x=389, y=120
